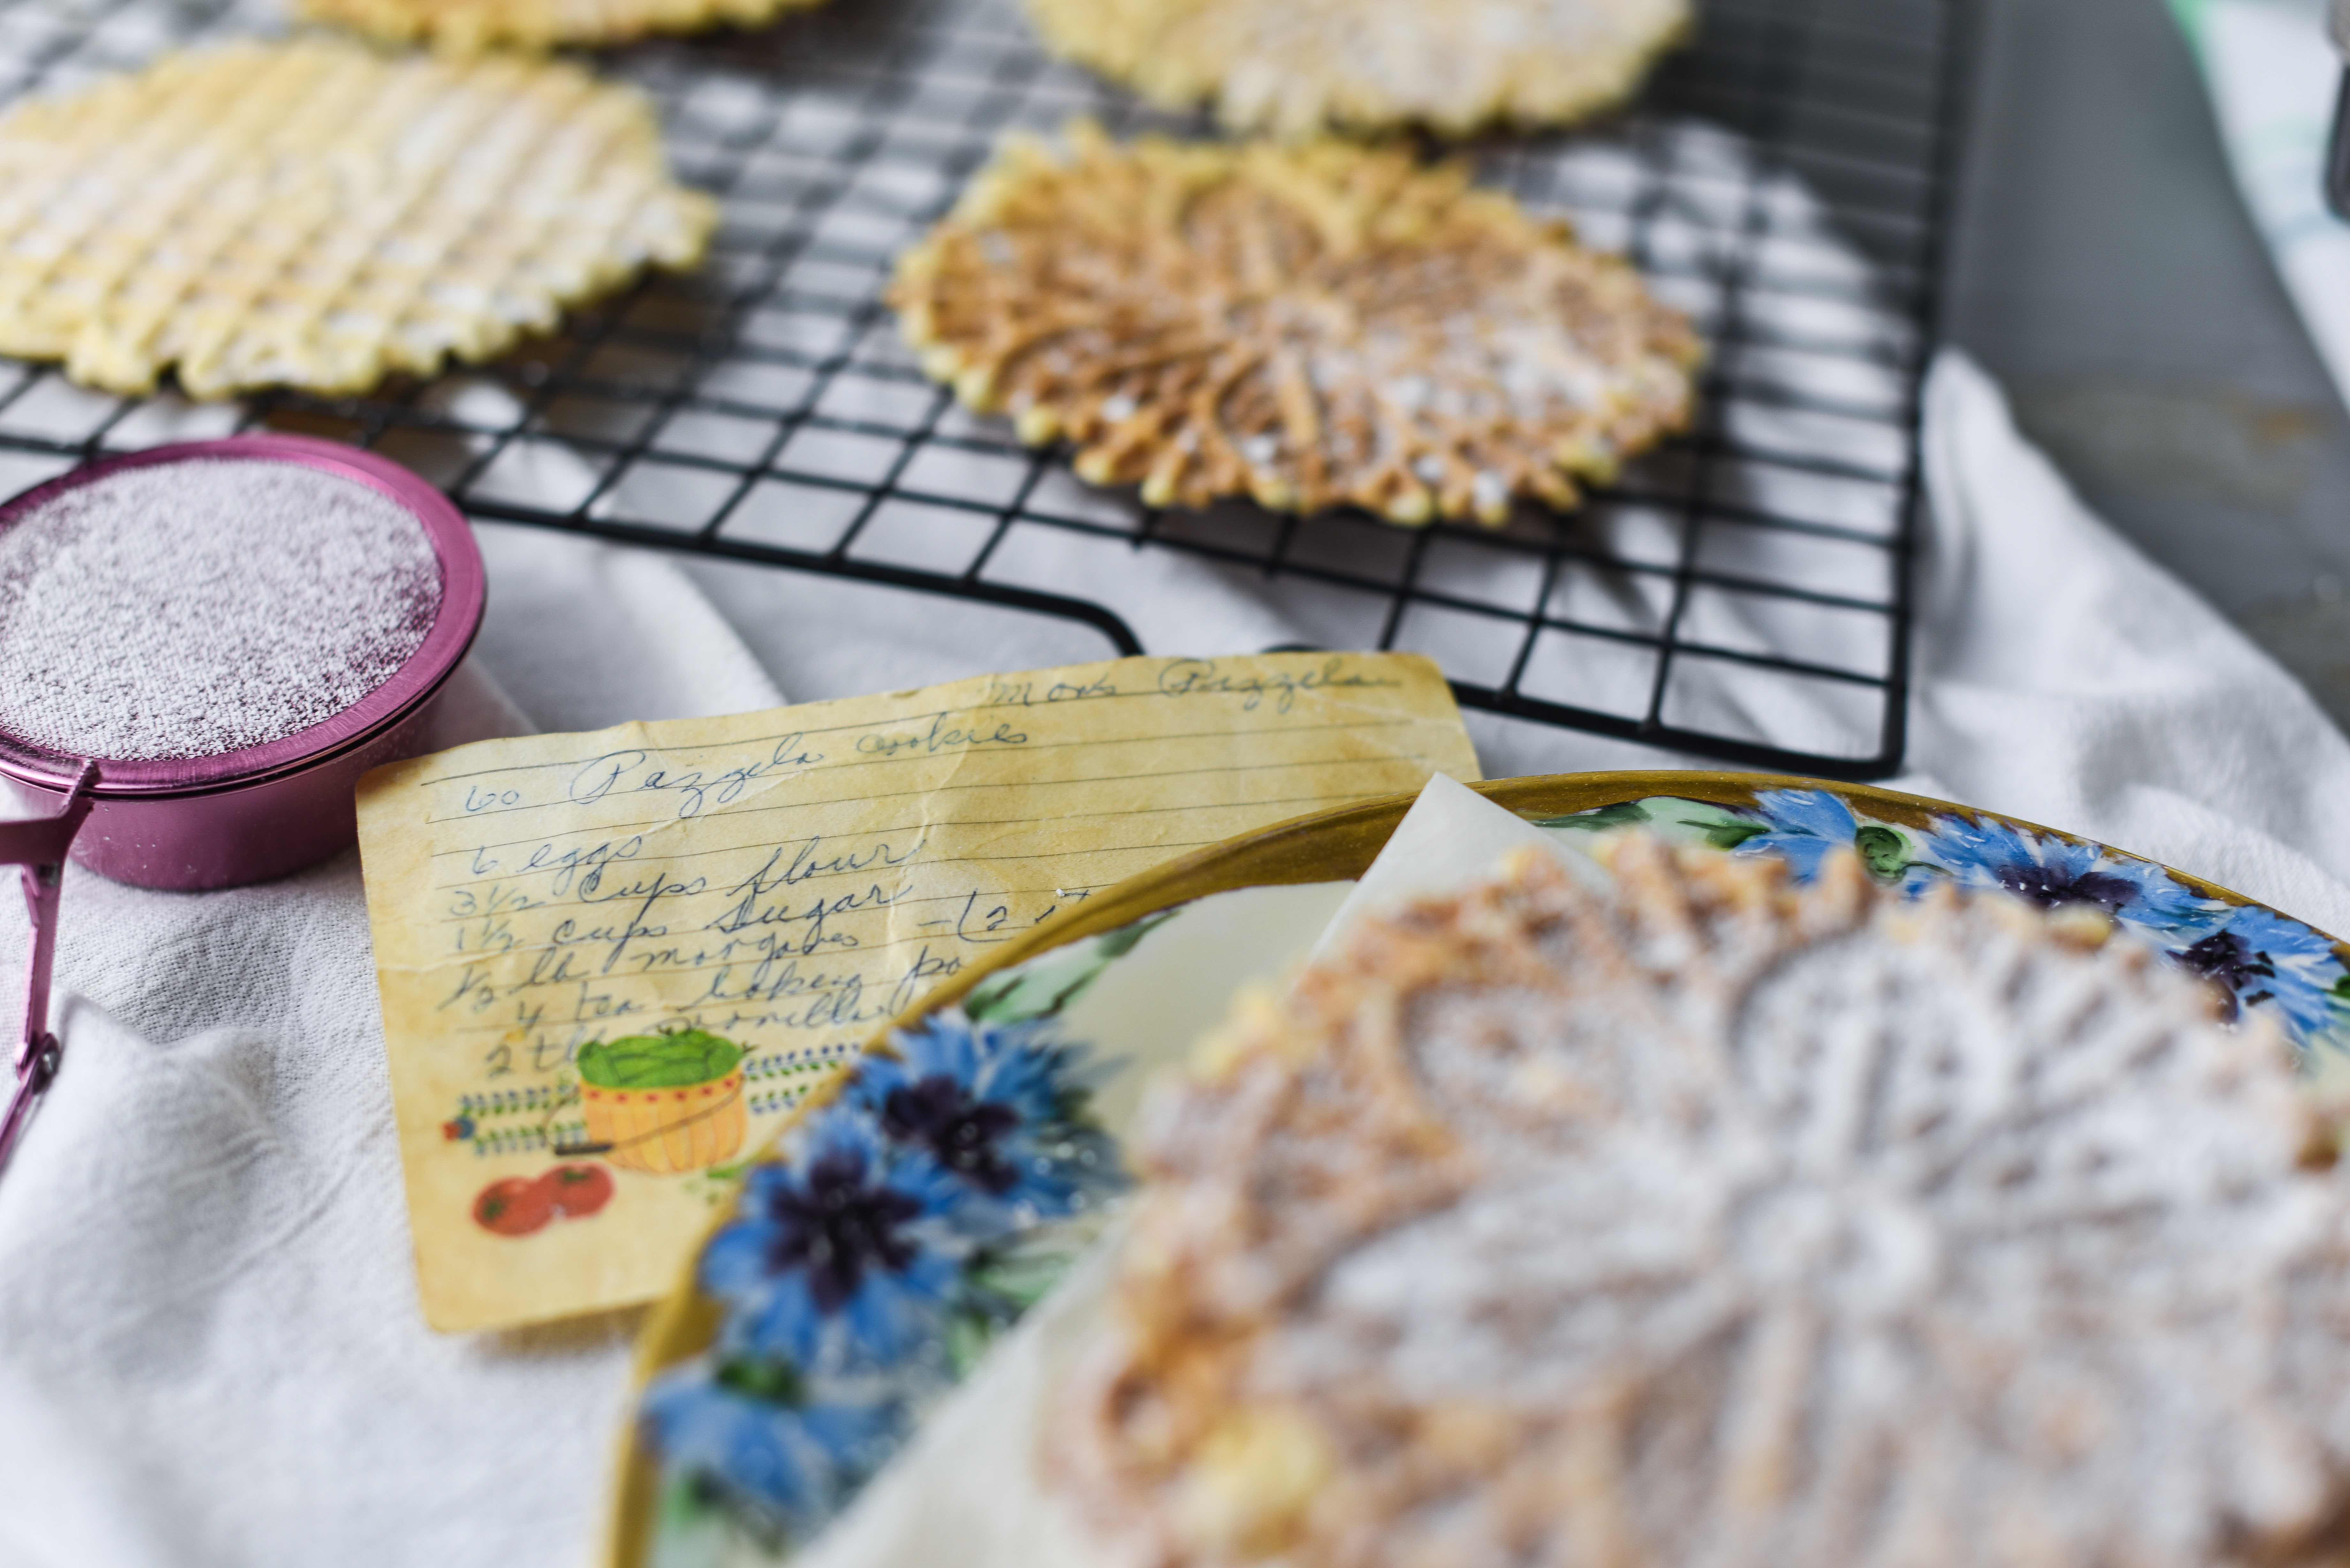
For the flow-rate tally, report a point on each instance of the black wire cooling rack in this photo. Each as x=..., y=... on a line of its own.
x=1741, y=593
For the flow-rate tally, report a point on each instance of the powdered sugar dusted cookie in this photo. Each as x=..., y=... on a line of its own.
x=314, y=213
x=1294, y=66
x=1707, y=1221
x=1314, y=326
x=464, y=26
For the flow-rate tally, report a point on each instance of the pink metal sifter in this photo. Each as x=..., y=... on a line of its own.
x=236, y=817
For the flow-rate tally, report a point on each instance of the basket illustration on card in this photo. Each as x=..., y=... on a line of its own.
x=666, y=1103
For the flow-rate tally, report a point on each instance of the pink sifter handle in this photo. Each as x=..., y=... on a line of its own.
x=37, y=846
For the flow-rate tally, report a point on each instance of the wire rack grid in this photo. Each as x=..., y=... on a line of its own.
x=1741, y=593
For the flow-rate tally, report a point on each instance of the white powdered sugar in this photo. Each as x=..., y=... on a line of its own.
x=188, y=609
x=1702, y=1223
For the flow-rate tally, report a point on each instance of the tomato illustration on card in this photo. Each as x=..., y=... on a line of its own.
x=521, y=1205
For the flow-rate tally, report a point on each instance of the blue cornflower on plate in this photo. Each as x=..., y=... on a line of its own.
x=785, y=1468
x=2053, y=872
x=845, y=1253
x=1802, y=826
x=1001, y=1107
x=2261, y=959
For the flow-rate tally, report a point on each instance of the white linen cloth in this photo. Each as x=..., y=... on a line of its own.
x=210, y=1347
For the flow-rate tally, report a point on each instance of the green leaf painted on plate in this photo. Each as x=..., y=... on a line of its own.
x=1684, y=820
x=1117, y=944
x=1023, y=1277
x=1730, y=835
x=770, y=1379
x=1718, y=827
x=969, y=1334
x=999, y=1287
x=1043, y=987
x=1883, y=850
x=1600, y=819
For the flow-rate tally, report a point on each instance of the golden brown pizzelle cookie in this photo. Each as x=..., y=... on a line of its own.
x=1709, y=1220
x=314, y=213
x=1293, y=67
x=1313, y=327
x=467, y=26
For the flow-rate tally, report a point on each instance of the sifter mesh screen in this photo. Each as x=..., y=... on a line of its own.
x=189, y=609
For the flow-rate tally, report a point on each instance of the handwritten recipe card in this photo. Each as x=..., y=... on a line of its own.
x=612, y=962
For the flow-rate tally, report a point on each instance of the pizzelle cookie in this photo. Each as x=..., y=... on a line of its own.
x=1291, y=67
x=465, y=26
x=313, y=213
x=1312, y=325
x=1705, y=1220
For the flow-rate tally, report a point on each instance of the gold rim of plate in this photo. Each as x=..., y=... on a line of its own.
x=1328, y=847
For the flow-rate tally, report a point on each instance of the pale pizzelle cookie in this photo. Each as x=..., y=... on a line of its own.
x=1294, y=66
x=1313, y=326
x=1706, y=1221
x=463, y=27
x=314, y=213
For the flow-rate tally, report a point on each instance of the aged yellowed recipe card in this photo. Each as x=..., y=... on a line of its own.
x=610, y=962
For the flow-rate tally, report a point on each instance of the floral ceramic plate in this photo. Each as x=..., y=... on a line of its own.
x=903, y=1222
